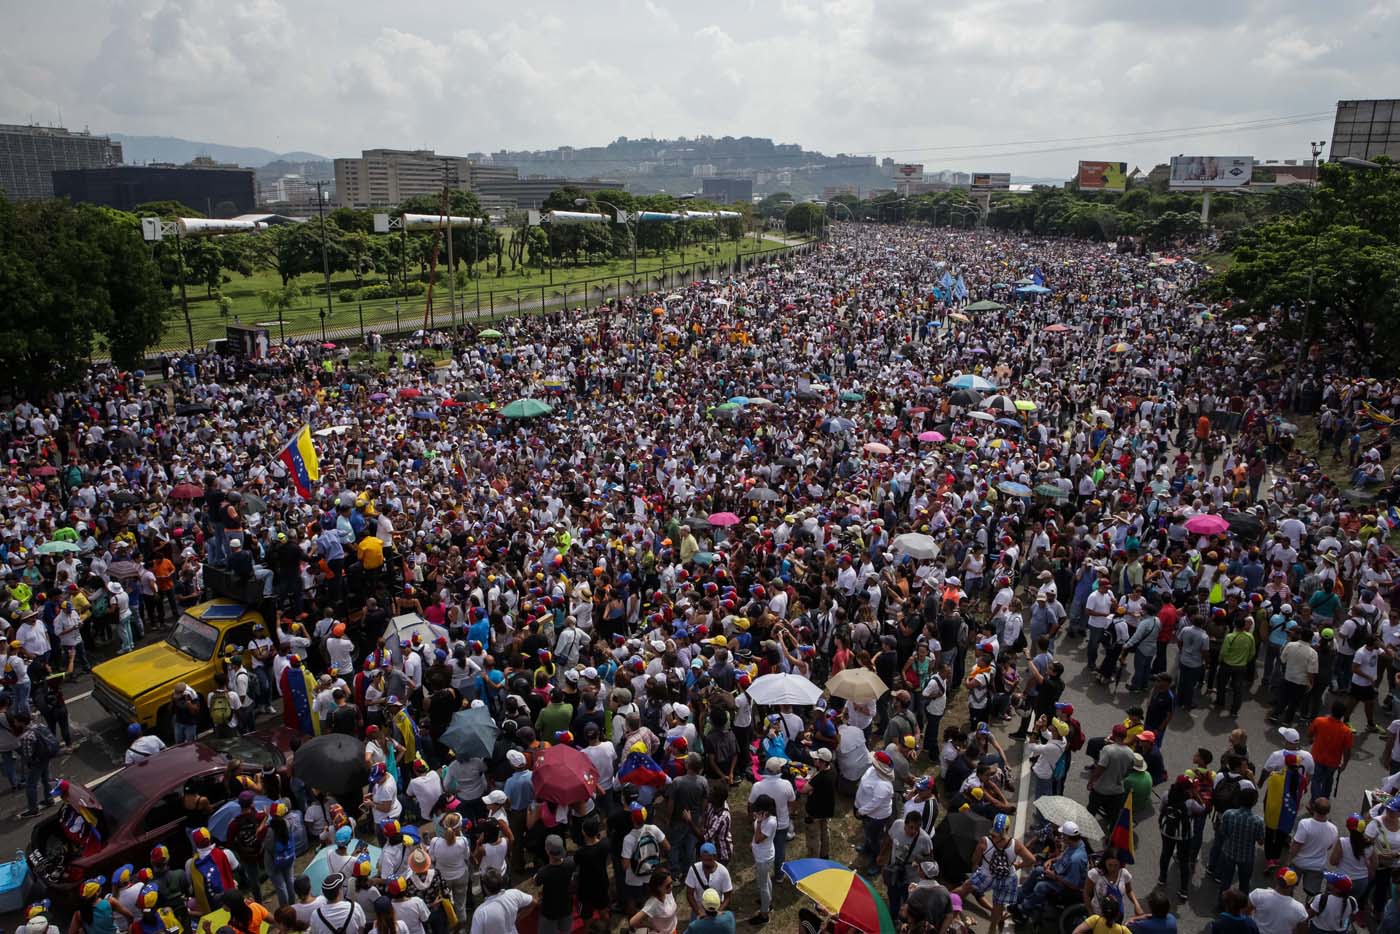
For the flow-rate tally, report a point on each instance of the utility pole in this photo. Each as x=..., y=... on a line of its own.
x=1316, y=145
x=451, y=267
x=184, y=300
x=325, y=257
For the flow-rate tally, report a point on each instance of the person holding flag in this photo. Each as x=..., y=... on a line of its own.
x=1283, y=793
x=298, y=689
x=298, y=458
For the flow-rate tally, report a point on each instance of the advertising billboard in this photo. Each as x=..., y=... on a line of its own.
x=991, y=181
x=1208, y=172
x=1103, y=176
x=909, y=171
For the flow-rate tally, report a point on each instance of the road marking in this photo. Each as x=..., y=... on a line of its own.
x=83, y=696
x=1023, y=793
x=102, y=778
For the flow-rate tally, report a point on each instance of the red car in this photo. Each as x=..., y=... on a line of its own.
x=141, y=806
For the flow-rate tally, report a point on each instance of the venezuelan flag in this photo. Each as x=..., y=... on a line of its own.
x=641, y=769
x=1375, y=414
x=299, y=457
x=1121, y=836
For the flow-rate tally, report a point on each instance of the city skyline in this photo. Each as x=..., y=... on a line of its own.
x=994, y=85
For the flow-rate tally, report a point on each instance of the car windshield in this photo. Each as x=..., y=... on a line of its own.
x=252, y=751
x=195, y=638
x=119, y=799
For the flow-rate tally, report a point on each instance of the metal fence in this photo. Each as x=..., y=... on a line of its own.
x=351, y=321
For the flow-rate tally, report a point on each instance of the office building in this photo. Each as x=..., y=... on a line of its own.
x=1366, y=129
x=385, y=177
x=530, y=192
x=208, y=187
x=29, y=155
x=727, y=190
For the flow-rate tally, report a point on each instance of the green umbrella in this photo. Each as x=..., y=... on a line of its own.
x=852, y=396
x=57, y=548
x=727, y=406
x=985, y=304
x=526, y=408
x=491, y=334
x=1050, y=490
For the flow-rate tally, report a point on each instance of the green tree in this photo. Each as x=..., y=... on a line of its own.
x=804, y=218
x=292, y=250
x=71, y=275
x=165, y=209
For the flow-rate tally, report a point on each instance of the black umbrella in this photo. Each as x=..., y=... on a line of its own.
x=1246, y=527
x=965, y=397
x=763, y=494
x=333, y=764
x=954, y=841
x=698, y=523
x=123, y=498
x=194, y=408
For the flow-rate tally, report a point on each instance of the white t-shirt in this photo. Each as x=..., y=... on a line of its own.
x=1368, y=660
x=426, y=789
x=698, y=879
x=1275, y=761
x=450, y=858
x=497, y=914
x=1314, y=839
x=765, y=852
x=387, y=791
x=629, y=847
x=411, y=912
x=1336, y=914
x=1276, y=913
x=328, y=919
x=1099, y=605
x=780, y=790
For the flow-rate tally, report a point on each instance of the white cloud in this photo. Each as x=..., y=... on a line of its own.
x=336, y=76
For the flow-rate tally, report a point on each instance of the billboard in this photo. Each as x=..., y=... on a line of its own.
x=1203, y=172
x=1103, y=176
x=991, y=181
x=909, y=172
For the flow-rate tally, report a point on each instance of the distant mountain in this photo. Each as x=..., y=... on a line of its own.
x=173, y=149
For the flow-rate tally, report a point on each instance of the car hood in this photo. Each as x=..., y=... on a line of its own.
x=147, y=668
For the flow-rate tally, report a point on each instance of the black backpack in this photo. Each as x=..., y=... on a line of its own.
x=1360, y=635
x=1227, y=792
x=1175, y=822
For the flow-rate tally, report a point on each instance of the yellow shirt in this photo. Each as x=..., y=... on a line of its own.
x=371, y=552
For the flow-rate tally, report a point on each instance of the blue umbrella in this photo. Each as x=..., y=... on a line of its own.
x=1011, y=488
x=316, y=869
x=740, y=400
x=471, y=734
x=1032, y=290
x=837, y=425
x=424, y=414
x=1009, y=423
x=969, y=381
x=852, y=396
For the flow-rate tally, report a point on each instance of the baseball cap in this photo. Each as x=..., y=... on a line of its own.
x=1069, y=828
x=1119, y=730
x=710, y=900
x=1287, y=876
x=1288, y=734
x=708, y=849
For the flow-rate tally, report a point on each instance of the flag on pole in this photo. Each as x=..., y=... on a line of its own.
x=298, y=455
x=1375, y=414
x=960, y=289
x=1037, y=277
x=1120, y=837
x=946, y=280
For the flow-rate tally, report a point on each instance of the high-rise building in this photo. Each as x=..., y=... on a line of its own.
x=29, y=155
x=727, y=190
x=204, y=185
x=385, y=177
x=529, y=193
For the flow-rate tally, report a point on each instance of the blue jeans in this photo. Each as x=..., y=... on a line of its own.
x=873, y=836
x=1095, y=637
x=1142, y=667
x=36, y=785
x=282, y=884
x=1188, y=677
x=682, y=849
x=1043, y=787
x=1324, y=776
x=1243, y=868
x=780, y=842
x=185, y=732
x=21, y=704
x=7, y=767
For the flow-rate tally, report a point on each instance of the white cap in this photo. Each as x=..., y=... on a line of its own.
x=1069, y=828
x=1288, y=734
x=516, y=758
x=774, y=765
x=235, y=543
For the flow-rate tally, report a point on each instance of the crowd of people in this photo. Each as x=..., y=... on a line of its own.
x=825, y=465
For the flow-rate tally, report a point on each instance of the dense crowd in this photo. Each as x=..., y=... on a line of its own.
x=829, y=468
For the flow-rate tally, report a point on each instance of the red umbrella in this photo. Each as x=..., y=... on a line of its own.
x=563, y=775
x=410, y=393
x=186, y=491
x=47, y=470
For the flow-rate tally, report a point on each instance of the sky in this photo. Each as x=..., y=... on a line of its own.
x=982, y=85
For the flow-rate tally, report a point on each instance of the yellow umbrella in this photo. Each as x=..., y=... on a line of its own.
x=1025, y=405
x=958, y=316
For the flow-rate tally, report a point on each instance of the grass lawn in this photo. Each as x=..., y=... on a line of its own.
x=510, y=293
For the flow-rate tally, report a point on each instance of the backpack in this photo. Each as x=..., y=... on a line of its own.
x=646, y=858
x=1347, y=913
x=1360, y=635
x=1226, y=793
x=47, y=746
x=998, y=863
x=1175, y=822
x=220, y=709
x=1075, y=741
x=284, y=853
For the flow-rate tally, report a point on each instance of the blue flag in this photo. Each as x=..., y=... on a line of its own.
x=960, y=289
x=946, y=281
x=1037, y=277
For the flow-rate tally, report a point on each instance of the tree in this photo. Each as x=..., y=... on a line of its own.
x=69, y=276
x=295, y=249
x=804, y=218
x=167, y=209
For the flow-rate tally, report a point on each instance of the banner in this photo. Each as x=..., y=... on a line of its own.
x=1103, y=176
x=991, y=181
x=1197, y=173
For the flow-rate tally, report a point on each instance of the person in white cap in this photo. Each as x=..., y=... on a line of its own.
x=781, y=791
x=1274, y=763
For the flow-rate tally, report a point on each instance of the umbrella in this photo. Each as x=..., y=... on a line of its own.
x=124, y=498
x=333, y=764
x=703, y=558
x=985, y=304
x=424, y=414
x=954, y=841
x=328, y=345
x=965, y=441
x=186, y=491
x=1207, y=524
x=526, y=408
x=1142, y=372
x=856, y=684
x=563, y=775
x=759, y=400
x=471, y=734
x=47, y=470
x=410, y=393
x=1120, y=347
x=728, y=407
x=378, y=396
x=1010, y=423
x=966, y=397
x=784, y=689
x=1050, y=490
x=957, y=316
x=469, y=395
x=739, y=400
x=969, y=381
x=1011, y=488
x=915, y=545
x=876, y=447
x=723, y=519
x=836, y=426
x=253, y=504
x=999, y=403
x=332, y=430
x=317, y=869
x=1026, y=405
x=763, y=494
x=57, y=548
x=697, y=523
x=193, y=408
x=1057, y=809
x=1056, y=329
x=1245, y=526
x=852, y=396
x=931, y=436
x=841, y=892
x=490, y=334
x=1033, y=290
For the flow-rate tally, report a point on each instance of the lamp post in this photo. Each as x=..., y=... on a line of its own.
x=325, y=257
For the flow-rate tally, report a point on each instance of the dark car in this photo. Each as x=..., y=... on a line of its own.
x=141, y=806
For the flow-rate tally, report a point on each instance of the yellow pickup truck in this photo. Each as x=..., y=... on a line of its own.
x=136, y=687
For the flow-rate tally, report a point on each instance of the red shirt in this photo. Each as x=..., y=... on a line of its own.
x=1331, y=741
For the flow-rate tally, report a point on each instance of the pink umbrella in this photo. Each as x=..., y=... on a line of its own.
x=934, y=436
x=875, y=447
x=724, y=519
x=1206, y=524
x=1056, y=329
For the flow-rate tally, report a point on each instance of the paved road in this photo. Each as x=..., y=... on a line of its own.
x=1098, y=708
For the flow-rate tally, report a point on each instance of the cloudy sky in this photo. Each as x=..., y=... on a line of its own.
x=997, y=85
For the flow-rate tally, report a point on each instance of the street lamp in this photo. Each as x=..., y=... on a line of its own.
x=617, y=212
x=1352, y=162
x=325, y=257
